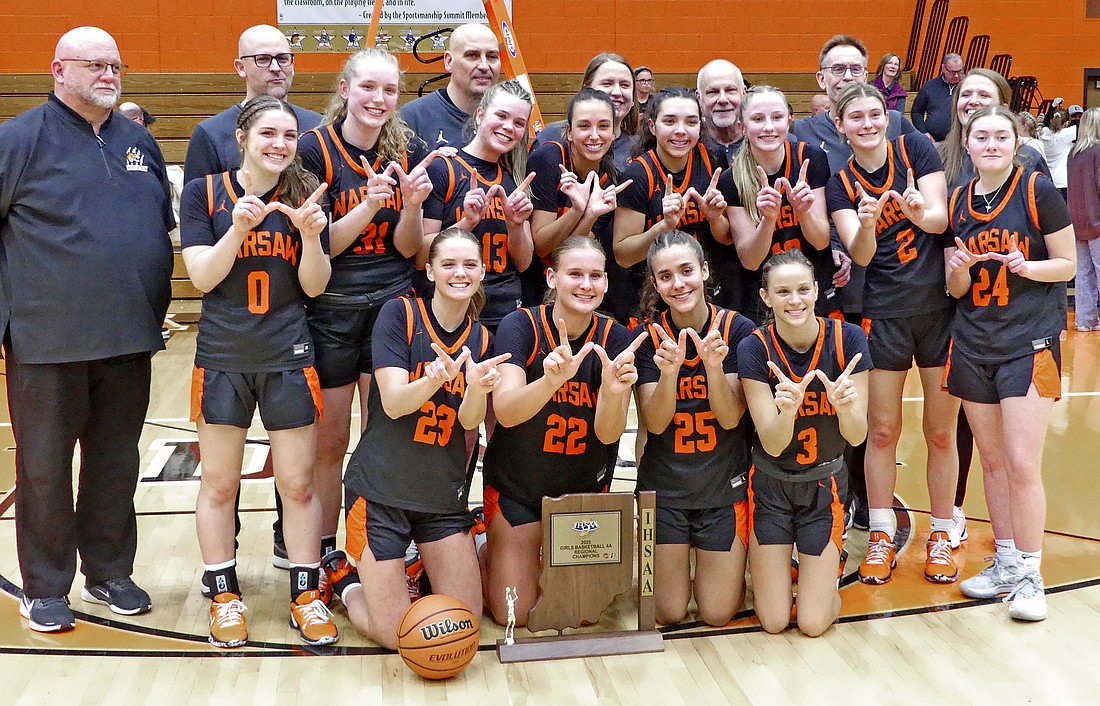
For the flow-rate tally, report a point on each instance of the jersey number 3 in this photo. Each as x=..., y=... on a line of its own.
x=435, y=424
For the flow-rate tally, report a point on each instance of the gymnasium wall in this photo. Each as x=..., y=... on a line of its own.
x=1049, y=39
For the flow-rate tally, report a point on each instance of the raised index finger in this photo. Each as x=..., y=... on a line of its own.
x=668, y=185
x=910, y=180
x=442, y=354
x=777, y=372
x=248, y=183
x=622, y=187
x=762, y=176
x=804, y=171
x=852, y=365
x=526, y=182
x=633, y=347
x=714, y=179
x=563, y=333
x=860, y=192
x=316, y=195
x=367, y=167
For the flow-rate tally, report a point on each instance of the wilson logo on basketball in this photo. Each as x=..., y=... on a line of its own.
x=433, y=631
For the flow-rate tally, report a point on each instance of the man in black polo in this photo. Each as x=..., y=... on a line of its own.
x=85, y=262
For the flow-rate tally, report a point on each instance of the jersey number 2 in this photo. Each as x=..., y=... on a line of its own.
x=983, y=293
x=699, y=424
x=565, y=436
x=906, y=251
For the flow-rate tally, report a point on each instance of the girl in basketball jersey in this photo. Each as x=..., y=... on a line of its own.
x=805, y=380
x=561, y=402
x=609, y=73
x=477, y=190
x=778, y=198
x=697, y=450
x=1013, y=249
x=674, y=187
x=406, y=480
x=576, y=188
x=255, y=241
x=374, y=167
x=889, y=203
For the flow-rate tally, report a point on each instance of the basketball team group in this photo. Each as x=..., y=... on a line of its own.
x=758, y=287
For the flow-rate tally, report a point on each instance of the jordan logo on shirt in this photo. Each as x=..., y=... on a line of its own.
x=222, y=208
x=441, y=140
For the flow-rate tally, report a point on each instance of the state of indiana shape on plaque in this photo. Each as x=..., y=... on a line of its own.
x=588, y=558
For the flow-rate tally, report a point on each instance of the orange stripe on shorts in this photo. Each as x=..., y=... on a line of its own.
x=1045, y=375
x=741, y=512
x=837, y=508
x=314, y=383
x=491, y=502
x=355, y=526
x=198, y=376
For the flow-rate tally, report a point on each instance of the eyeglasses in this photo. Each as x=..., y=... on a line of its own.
x=645, y=80
x=856, y=70
x=264, y=60
x=98, y=67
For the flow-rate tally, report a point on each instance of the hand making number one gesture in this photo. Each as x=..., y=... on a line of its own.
x=673, y=204
x=769, y=199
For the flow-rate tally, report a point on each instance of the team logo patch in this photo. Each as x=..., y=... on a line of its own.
x=585, y=527
x=135, y=160
x=221, y=583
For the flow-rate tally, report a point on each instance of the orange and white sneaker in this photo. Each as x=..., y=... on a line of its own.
x=312, y=619
x=324, y=587
x=878, y=565
x=940, y=566
x=227, y=628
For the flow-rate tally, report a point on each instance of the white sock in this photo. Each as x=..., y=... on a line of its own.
x=881, y=519
x=1029, y=561
x=1006, y=551
x=940, y=524
x=219, y=567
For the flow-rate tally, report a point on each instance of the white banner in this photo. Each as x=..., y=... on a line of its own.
x=394, y=12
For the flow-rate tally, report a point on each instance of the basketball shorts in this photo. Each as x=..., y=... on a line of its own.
x=515, y=511
x=808, y=513
x=342, y=342
x=989, y=383
x=387, y=530
x=711, y=530
x=896, y=342
x=287, y=400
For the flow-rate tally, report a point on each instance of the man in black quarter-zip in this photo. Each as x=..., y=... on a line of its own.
x=85, y=261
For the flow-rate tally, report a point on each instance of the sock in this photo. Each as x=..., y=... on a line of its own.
x=345, y=584
x=957, y=513
x=303, y=577
x=328, y=544
x=940, y=524
x=1029, y=561
x=222, y=578
x=1006, y=551
x=882, y=520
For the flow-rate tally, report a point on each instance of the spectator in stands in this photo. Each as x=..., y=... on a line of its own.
x=721, y=87
x=473, y=61
x=1058, y=137
x=1084, y=208
x=135, y=112
x=819, y=104
x=643, y=86
x=611, y=74
x=266, y=64
x=932, y=106
x=1030, y=135
x=888, y=80
x=1075, y=113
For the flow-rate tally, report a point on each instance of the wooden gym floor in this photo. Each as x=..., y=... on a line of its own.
x=908, y=642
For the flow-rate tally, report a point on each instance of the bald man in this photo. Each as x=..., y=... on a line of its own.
x=473, y=61
x=720, y=88
x=85, y=261
x=266, y=64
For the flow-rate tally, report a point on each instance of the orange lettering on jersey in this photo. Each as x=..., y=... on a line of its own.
x=495, y=209
x=692, y=388
x=786, y=245
x=575, y=393
x=891, y=214
x=787, y=217
x=248, y=245
x=456, y=386
x=815, y=404
x=692, y=214
x=264, y=243
x=998, y=240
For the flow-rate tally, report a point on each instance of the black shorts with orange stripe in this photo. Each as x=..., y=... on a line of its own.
x=989, y=383
x=515, y=511
x=896, y=342
x=388, y=530
x=808, y=513
x=289, y=399
x=710, y=530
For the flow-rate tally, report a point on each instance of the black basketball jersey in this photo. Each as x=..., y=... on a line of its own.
x=371, y=267
x=695, y=463
x=1005, y=316
x=788, y=229
x=452, y=178
x=418, y=461
x=817, y=439
x=646, y=195
x=906, y=274
x=254, y=320
x=557, y=450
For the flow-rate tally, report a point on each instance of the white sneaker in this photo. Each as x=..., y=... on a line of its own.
x=995, y=580
x=958, y=533
x=1028, y=600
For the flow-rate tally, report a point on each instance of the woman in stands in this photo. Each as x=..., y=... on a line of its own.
x=889, y=204
x=805, y=381
x=888, y=80
x=1013, y=250
x=255, y=242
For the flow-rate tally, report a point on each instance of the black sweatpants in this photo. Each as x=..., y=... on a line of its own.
x=101, y=404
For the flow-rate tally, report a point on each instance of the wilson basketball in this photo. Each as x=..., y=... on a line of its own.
x=438, y=636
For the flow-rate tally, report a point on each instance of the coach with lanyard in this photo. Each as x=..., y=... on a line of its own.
x=85, y=261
